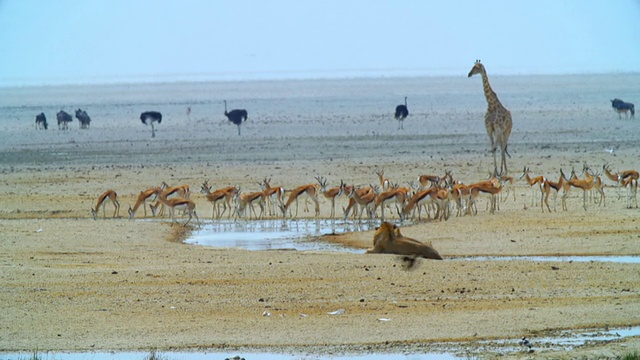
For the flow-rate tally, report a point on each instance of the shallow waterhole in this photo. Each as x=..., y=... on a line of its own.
x=564, y=341
x=276, y=234
x=294, y=235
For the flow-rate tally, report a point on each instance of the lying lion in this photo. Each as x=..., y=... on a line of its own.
x=389, y=240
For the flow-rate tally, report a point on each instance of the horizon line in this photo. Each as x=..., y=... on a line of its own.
x=275, y=76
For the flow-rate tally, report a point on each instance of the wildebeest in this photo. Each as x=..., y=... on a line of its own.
x=41, y=122
x=83, y=118
x=149, y=117
x=623, y=107
x=63, y=120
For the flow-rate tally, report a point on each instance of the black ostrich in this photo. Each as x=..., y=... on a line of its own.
x=402, y=112
x=149, y=117
x=236, y=116
x=63, y=120
x=41, y=121
x=83, y=118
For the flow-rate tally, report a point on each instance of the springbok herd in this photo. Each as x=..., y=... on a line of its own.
x=430, y=196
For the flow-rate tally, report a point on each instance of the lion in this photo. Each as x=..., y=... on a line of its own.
x=388, y=240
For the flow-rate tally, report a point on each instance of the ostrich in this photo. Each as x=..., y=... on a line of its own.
x=402, y=112
x=63, y=120
x=41, y=121
x=83, y=118
x=236, y=116
x=149, y=117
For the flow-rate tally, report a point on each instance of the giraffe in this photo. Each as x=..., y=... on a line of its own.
x=497, y=120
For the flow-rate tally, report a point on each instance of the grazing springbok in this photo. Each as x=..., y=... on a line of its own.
x=179, y=203
x=310, y=190
x=108, y=195
x=170, y=192
x=142, y=199
x=242, y=200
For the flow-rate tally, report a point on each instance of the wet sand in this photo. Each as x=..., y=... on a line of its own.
x=74, y=284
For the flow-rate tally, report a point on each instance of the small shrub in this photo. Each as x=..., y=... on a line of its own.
x=631, y=356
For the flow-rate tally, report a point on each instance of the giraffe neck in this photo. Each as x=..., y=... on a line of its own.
x=490, y=95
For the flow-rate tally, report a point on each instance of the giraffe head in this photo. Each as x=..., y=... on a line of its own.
x=477, y=68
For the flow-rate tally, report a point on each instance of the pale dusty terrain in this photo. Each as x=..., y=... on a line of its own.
x=71, y=283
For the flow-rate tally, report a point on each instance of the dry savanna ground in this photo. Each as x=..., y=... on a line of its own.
x=70, y=283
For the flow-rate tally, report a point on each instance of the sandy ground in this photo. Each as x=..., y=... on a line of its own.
x=70, y=283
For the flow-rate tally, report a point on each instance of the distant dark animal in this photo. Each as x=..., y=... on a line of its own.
x=83, y=118
x=149, y=117
x=623, y=107
x=526, y=344
x=41, y=122
x=63, y=120
x=235, y=116
x=402, y=112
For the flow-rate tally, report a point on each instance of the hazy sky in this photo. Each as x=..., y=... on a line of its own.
x=61, y=41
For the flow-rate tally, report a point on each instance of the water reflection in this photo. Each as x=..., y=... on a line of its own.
x=293, y=234
x=276, y=234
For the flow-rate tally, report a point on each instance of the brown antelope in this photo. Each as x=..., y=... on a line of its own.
x=330, y=194
x=585, y=184
x=619, y=177
x=491, y=187
x=547, y=185
x=384, y=182
x=219, y=197
x=274, y=195
x=362, y=192
x=395, y=194
x=364, y=199
x=108, y=195
x=631, y=185
x=436, y=196
x=427, y=181
x=179, y=203
x=566, y=187
x=533, y=181
x=460, y=194
x=242, y=200
x=181, y=191
x=310, y=190
x=142, y=199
